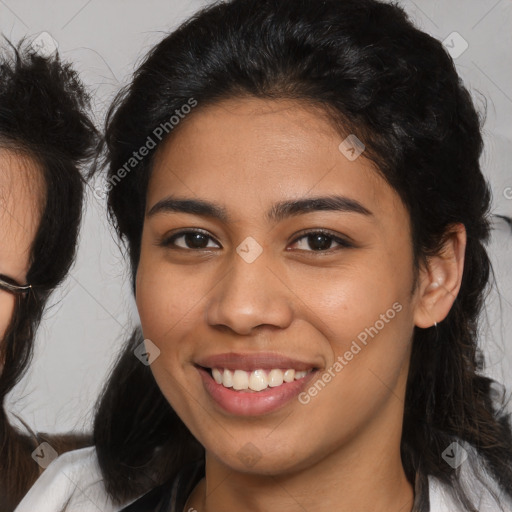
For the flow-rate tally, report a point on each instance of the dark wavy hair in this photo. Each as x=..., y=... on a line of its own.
x=376, y=75
x=43, y=116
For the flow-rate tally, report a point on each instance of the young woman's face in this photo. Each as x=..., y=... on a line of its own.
x=20, y=198
x=266, y=247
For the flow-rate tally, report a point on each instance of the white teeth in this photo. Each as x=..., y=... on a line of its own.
x=240, y=380
x=257, y=380
x=217, y=375
x=227, y=379
x=289, y=375
x=275, y=378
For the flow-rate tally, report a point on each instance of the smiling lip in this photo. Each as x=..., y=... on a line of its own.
x=246, y=402
x=255, y=361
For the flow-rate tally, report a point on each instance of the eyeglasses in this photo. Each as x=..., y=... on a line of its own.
x=9, y=285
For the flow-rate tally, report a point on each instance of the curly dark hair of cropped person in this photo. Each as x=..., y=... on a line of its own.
x=375, y=75
x=44, y=121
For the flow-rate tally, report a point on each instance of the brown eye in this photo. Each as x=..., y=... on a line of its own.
x=318, y=241
x=189, y=240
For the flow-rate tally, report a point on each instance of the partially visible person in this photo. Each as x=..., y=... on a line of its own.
x=45, y=136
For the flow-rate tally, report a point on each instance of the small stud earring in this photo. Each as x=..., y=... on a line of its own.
x=435, y=325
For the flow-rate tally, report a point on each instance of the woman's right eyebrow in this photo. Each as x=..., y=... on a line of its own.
x=193, y=206
x=279, y=211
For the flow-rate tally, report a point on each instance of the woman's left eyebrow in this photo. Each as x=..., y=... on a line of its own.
x=277, y=212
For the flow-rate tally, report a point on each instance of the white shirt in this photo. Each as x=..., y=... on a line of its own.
x=73, y=483
x=481, y=494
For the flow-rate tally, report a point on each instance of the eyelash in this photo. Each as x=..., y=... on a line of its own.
x=168, y=242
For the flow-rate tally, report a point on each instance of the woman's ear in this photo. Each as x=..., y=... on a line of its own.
x=440, y=279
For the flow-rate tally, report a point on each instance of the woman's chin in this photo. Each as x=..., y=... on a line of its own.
x=261, y=460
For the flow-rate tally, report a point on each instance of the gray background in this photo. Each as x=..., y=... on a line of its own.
x=91, y=314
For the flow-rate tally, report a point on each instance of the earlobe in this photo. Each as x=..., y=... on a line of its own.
x=440, y=279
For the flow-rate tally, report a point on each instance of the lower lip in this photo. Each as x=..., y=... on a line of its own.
x=253, y=403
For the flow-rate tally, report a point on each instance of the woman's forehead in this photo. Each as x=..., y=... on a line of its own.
x=264, y=151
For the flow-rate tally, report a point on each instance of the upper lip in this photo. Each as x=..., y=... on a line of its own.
x=253, y=361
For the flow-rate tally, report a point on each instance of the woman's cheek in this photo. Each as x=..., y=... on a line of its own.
x=166, y=301
x=152, y=295
x=346, y=305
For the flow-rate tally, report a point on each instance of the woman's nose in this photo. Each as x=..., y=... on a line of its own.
x=250, y=295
